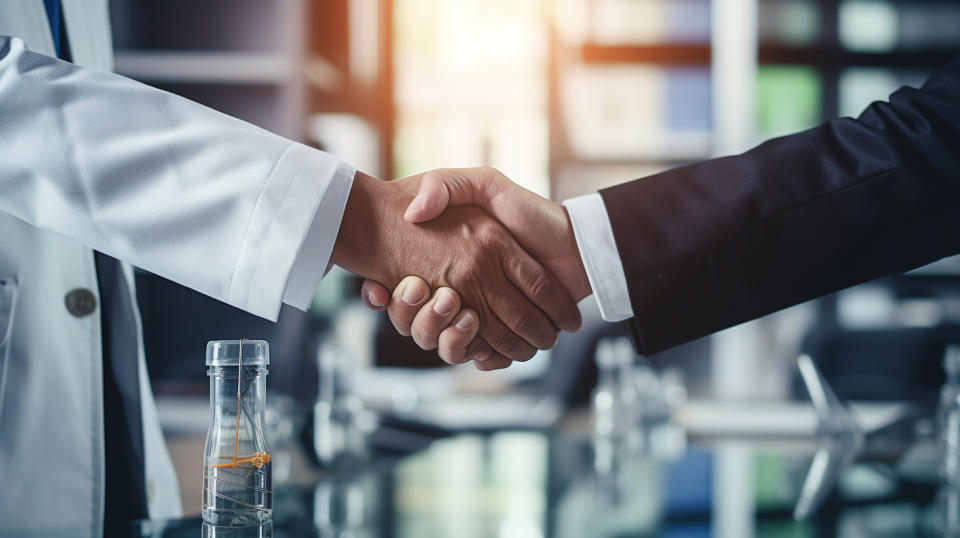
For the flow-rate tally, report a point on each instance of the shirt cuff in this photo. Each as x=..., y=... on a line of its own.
x=598, y=250
x=283, y=216
x=313, y=260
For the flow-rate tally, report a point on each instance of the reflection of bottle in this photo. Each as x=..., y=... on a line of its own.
x=339, y=436
x=948, y=418
x=615, y=405
x=946, y=512
x=236, y=464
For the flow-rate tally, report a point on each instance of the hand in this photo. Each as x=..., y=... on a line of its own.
x=541, y=226
x=518, y=305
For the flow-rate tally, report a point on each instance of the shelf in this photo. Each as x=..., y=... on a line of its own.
x=668, y=54
x=687, y=55
x=839, y=57
x=205, y=67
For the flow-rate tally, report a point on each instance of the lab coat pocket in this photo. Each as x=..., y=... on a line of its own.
x=8, y=297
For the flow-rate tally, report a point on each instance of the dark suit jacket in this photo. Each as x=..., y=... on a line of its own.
x=710, y=245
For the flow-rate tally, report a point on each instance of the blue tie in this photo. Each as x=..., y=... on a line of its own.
x=125, y=492
x=53, y=17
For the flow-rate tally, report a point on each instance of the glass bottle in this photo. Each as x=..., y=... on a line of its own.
x=236, y=463
x=948, y=417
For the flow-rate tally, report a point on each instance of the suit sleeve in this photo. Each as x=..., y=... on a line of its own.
x=161, y=182
x=710, y=245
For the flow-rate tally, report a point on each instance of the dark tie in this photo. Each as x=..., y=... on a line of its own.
x=123, y=429
x=125, y=494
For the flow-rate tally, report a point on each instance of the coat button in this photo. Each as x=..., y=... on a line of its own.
x=80, y=302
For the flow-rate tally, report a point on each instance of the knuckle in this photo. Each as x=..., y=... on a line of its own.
x=539, y=287
x=538, y=332
x=511, y=346
x=523, y=325
x=488, y=230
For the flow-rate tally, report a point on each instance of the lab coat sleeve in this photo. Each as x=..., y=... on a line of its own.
x=163, y=183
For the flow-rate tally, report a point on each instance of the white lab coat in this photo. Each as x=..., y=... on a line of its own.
x=91, y=160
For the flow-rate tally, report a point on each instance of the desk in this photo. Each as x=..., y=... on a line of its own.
x=534, y=484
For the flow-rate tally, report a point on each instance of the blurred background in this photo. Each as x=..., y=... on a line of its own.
x=565, y=97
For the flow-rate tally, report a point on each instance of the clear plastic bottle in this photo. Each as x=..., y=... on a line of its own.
x=236, y=465
x=948, y=418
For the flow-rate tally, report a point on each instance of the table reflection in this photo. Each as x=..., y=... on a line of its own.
x=220, y=531
x=538, y=485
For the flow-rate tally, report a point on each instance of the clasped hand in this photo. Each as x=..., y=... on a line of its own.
x=503, y=263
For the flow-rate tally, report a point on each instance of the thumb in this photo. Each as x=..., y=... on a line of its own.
x=445, y=187
x=431, y=200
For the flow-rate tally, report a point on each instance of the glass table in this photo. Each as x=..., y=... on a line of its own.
x=528, y=484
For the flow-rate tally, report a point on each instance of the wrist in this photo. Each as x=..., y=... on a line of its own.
x=361, y=240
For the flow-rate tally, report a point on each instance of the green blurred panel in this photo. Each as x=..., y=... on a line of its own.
x=788, y=100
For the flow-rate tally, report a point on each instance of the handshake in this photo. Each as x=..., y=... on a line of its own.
x=502, y=261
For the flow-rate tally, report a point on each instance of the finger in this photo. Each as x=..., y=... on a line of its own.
x=522, y=318
x=375, y=295
x=479, y=352
x=494, y=363
x=543, y=289
x=455, y=339
x=504, y=341
x=434, y=317
x=408, y=297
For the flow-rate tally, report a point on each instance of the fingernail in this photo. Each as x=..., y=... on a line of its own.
x=372, y=298
x=443, y=305
x=464, y=323
x=413, y=295
x=416, y=205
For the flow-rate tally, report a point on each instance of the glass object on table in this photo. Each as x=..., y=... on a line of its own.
x=625, y=470
x=840, y=440
x=236, y=467
x=346, y=505
x=340, y=421
x=946, y=512
x=948, y=418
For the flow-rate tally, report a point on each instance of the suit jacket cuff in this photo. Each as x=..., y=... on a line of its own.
x=598, y=250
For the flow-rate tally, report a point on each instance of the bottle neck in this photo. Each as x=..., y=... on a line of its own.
x=228, y=384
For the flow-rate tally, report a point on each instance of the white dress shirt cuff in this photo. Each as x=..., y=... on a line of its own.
x=313, y=260
x=282, y=217
x=598, y=250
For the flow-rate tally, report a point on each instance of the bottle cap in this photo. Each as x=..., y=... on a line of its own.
x=227, y=352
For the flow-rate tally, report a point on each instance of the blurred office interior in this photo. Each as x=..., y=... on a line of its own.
x=564, y=97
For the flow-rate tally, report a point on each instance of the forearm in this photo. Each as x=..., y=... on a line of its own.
x=714, y=244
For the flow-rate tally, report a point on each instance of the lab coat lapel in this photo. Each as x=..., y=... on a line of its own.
x=88, y=30
x=27, y=19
